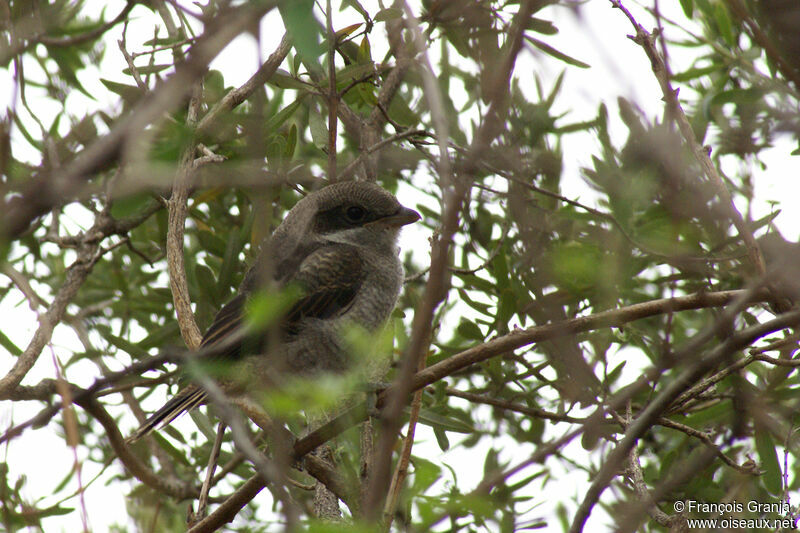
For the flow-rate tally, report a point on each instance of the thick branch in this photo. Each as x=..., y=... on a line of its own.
x=175, y=260
x=228, y=510
x=611, y=318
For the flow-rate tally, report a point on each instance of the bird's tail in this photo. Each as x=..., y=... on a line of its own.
x=185, y=400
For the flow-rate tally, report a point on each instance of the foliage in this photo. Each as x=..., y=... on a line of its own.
x=630, y=331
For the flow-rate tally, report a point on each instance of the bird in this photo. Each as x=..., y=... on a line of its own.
x=338, y=246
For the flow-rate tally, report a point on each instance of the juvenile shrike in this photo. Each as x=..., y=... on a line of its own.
x=339, y=246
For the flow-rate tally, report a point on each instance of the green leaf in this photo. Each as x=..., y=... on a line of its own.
x=130, y=205
x=129, y=93
x=167, y=446
x=6, y=343
x=285, y=80
x=25, y=133
x=506, y=306
x=304, y=29
x=441, y=439
x=549, y=50
x=63, y=483
x=230, y=261
x=211, y=243
x=523, y=482
x=688, y=7
x=69, y=61
x=695, y=72
x=366, y=92
x=426, y=473
x=149, y=69
x=737, y=96
x=723, y=20
x=355, y=4
x=134, y=350
x=291, y=142
x=615, y=373
x=207, y=283
x=159, y=337
x=51, y=511
x=345, y=32
x=485, y=309
x=491, y=463
x=204, y=424
x=284, y=114
x=445, y=423
x=319, y=130
x=401, y=112
x=542, y=26
x=163, y=41
x=389, y=13
x=356, y=71
x=365, y=52
x=469, y=330
x=576, y=265
x=264, y=308
x=768, y=455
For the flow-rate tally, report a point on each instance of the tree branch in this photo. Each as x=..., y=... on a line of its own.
x=88, y=254
x=664, y=399
x=647, y=41
x=236, y=96
x=57, y=186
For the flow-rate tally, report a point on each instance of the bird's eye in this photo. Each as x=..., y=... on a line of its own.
x=355, y=213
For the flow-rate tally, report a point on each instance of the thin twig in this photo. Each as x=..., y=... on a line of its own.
x=350, y=168
x=228, y=510
x=72, y=434
x=636, y=476
x=236, y=96
x=661, y=402
x=492, y=479
x=515, y=407
x=21, y=45
x=76, y=275
x=269, y=470
x=705, y=438
x=56, y=186
x=701, y=154
x=202, y=502
x=178, y=210
x=131, y=65
x=21, y=281
x=401, y=470
x=333, y=96
x=764, y=41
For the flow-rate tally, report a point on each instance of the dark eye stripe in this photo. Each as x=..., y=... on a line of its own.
x=343, y=217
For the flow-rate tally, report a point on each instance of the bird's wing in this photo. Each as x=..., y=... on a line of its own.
x=330, y=278
x=226, y=326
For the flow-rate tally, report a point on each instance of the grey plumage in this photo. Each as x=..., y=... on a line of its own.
x=339, y=246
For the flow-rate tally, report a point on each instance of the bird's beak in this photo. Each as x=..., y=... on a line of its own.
x=403, y=217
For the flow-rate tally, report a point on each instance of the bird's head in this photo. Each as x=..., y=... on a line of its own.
x=354, y=212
